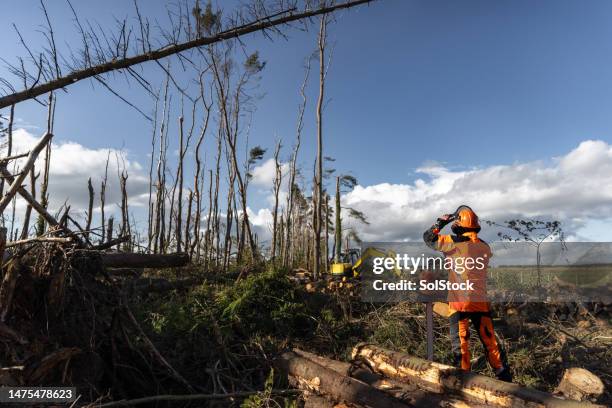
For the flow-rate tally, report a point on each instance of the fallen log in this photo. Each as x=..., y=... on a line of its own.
x=311, y=376
x=112, y=243
x=130, y=260
x=406, y=392
x=445, y=379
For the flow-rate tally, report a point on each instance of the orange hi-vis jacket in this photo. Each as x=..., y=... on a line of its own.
x=470, y=259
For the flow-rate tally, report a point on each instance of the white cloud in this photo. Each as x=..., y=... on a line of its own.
x=264, y=174
x=72, y=164
x=573, y=189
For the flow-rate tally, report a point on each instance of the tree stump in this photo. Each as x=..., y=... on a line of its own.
x=580, y=385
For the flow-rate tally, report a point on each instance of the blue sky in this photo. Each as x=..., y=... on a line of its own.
x=467, y=84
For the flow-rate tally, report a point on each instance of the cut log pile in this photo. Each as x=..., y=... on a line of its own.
x=377, y=377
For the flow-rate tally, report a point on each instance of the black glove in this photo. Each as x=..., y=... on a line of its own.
x=444, y=221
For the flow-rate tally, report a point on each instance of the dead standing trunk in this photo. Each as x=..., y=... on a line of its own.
x=187, y=239
x=44, y=195
x=179, y=204
x=90, y=204
x=289, y=250
x=231, y=134
x=338, y=225
x=9, y=147
x=199, y=180
x=318, y=184
x=125, y=215
x=103, y=199
x=277, y=183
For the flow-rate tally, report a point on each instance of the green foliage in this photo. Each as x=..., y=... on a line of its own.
x=256, y=154
x=180, y=315
x=266, y=398
x=348, y=181
x=253, y=64
x=358, y=215
x=264, y=303
x=394, y=333
x=208, y=21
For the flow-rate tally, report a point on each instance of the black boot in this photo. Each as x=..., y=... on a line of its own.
x=504, y=374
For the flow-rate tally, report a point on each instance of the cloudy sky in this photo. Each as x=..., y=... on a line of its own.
x=504, y=106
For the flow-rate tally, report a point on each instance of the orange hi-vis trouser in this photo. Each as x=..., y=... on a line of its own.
x=460, y=339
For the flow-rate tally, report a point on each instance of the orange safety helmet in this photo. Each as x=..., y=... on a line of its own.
x=465, y=220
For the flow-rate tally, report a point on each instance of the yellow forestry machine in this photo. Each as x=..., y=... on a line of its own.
x=352, y=260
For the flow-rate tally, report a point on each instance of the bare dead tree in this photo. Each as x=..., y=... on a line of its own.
x=188, y=221
x=216, y=215
x=151, y=204
x=44, y=194
x=209, y=224
x=125, y=215
x=337, y=224
x=9, y=143
x=103, y=198
x=9, y=150
x=293, y=167
x=317, y=195
x=278, y=176
x=327, y=222
x=160, y=197
x=90, y=204
x=281, y=237
x=109, y=230
x=229, y=102
x=229, y=213
x=198, y=177
x=180, y=181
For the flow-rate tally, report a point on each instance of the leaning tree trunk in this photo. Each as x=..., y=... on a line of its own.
x=166, y=51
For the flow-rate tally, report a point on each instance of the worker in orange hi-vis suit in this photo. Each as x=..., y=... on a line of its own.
x=468, y=256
